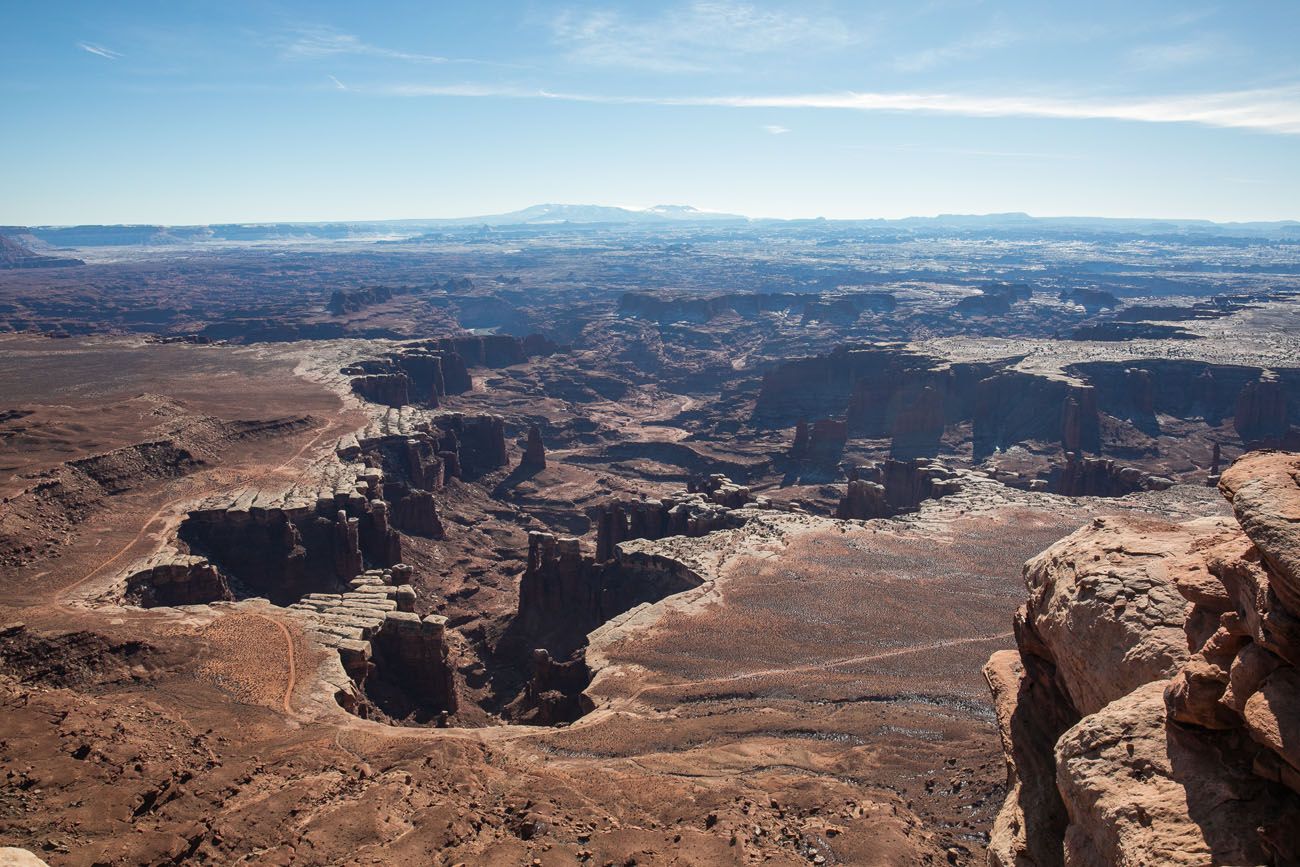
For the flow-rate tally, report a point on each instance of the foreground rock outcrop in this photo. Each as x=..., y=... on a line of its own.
x=1150, y=714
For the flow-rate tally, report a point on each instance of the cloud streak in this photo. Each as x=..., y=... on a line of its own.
x=1274, y=110
x=969, y=48
x=314, y=43
x=692, y=38
x=99, y=50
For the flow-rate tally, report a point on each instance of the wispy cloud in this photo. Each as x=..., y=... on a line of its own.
x=314, y=42
x=966, y=152
x=99, y=50
x=1275, y=110
x=1176, y=55
x=968, y=48
x=693, y=37
x=775, y=129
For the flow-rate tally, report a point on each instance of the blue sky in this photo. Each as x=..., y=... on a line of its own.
x=199, y=112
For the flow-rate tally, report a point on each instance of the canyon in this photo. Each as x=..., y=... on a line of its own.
x=676, y=542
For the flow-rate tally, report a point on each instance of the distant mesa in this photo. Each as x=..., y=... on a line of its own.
x=1090, y=299
x=15, y=255
x=554, y=213
x=994, y=300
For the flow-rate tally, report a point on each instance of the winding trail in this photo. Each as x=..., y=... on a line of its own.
x=292, y=660
x=610, y=706
x=290, y=651
x=854, y=660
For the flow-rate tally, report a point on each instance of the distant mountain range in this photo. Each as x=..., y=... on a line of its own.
x=545, y=214
x=42, y=239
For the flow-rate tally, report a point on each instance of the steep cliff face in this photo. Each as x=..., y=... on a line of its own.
x=1013, y=407
x=411, y=676
x=912, y=398
x=1261, y=403
x=423, y=372
x=172, y=578
x=479, y=442
x=858, y=381
x=283, y=547
x=398, y=662
x=1262, y=416
x=1154, y=686
x=534, y=451
x=565, y=594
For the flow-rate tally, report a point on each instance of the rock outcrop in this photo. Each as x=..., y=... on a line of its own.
x=1260, y=415
x=534, y=452
x=354, y=301
x=995, y=299
x=389, y=389
x=554, y=693
x=422, y=372
x=172, y=578
x=564, y=594
x=1090, y=299
x=397, y=660
x=417, y=452
x=820, y=444
x=914, y=398
x=714, y=502
x=284, y=544
x=478, y=441
x=894, y=487
x=1101, y=477
x=13, y=254
x=1155, y=683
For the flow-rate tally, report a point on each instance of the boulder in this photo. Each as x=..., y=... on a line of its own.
x=1140, y=790
x=1264, y=489
x=1104, y=605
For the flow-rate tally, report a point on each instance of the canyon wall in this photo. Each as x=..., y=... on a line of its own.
x=890, y=391
x=564, y=594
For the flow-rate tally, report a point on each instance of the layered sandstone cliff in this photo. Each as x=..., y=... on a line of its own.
x=1149, y=715
x=915, y=399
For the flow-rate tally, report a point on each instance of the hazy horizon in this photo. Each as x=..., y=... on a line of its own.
x=144, y=113
x=751, y=217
